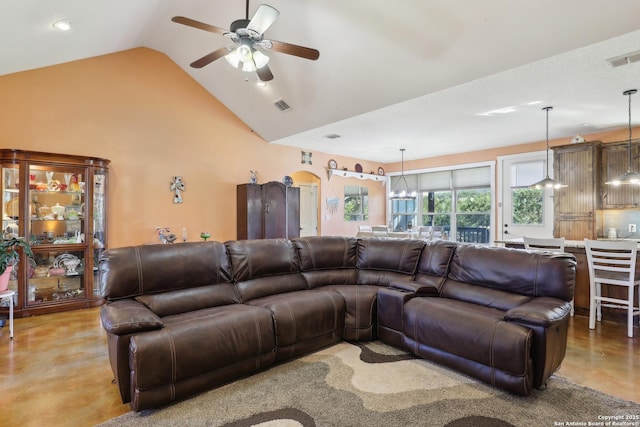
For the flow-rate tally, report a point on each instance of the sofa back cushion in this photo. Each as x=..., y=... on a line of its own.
x=435, y=259
x=527, y=273
x=482, y=295
x=382, y=261
x=329, y=260
x=190, y=299
x=132, y=271
x=264, y=267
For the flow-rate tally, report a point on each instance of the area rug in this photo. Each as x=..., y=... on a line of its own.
x=376, y=385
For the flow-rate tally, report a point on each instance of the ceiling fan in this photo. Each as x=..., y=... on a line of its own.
x=248, y=40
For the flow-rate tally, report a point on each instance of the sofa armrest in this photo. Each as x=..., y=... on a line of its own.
x=128, y=316
x=419, y=289
x=543, y=311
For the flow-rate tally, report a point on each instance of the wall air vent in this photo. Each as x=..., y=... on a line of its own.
x=625, y=59
x=281, y=105
x=333, y=136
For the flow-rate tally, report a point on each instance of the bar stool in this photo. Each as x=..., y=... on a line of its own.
x=4, y=295
x=612, y=263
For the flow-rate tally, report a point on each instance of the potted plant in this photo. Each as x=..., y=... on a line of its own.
x=9, y=257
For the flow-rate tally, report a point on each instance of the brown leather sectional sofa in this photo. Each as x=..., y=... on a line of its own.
x=186, y=317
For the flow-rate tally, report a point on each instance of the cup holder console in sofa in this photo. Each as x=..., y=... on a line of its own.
x=187, y=317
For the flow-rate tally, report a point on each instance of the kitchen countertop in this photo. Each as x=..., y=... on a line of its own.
x=567, y=243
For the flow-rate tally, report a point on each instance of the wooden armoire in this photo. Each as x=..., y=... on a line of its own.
x=268, y=211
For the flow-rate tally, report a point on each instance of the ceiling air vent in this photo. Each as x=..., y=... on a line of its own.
x=625, y=59
x=281, y=105
x=333, y=136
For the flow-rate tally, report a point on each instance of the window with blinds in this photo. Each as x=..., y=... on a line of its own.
x=458, y=200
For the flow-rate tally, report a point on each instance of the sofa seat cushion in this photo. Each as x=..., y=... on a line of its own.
x=304, y=315
x=192, y=344
x=360, y=304
x=469, y=331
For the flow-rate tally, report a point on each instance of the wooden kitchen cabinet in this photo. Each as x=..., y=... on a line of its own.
x=615, y=162
x=575, y=206
x=57, y=202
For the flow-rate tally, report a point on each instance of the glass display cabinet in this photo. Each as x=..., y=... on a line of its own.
x=59, y=203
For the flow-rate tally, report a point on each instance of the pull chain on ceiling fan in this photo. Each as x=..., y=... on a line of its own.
x=248, y=40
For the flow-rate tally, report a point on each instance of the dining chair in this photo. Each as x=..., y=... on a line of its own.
x=380, y=230
x=365, y=235
x=424, y=232
x=612, y=263
x=399, y=235
x=546, y=244
x=437, y=232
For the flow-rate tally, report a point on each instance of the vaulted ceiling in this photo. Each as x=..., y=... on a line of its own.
x=433, y=76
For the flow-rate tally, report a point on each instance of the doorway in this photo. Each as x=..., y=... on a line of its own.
x=309, y=202
x=523, y=211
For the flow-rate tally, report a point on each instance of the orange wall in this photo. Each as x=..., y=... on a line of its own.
x=153, y=121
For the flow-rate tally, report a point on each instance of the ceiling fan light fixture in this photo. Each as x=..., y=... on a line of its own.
x=247, y=35
x=233, y=58
x=249, y=66
x=244, y=53
x=260, y=59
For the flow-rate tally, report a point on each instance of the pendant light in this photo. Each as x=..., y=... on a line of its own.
x=547, y=182
x=629, y=177
x=397, y=194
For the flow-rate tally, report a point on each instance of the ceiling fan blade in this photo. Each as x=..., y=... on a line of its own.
x=293, y=49
x=264, y=17
x=264, y=74
x=199, y=25
x=208, y=59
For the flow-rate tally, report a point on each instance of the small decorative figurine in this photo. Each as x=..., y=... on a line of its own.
x=287, y=181
x=254, y=177
x=178, y=186
x=205, y=235
x=165, y=235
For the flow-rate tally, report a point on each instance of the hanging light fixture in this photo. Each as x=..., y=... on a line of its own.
x=399, y=194
x=629, y=177
x=547, y=182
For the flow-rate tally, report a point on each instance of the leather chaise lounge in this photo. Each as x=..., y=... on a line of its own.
x=184, y=318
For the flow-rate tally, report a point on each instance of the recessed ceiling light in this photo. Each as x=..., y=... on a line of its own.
x=63, y=25
x=505, y=110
